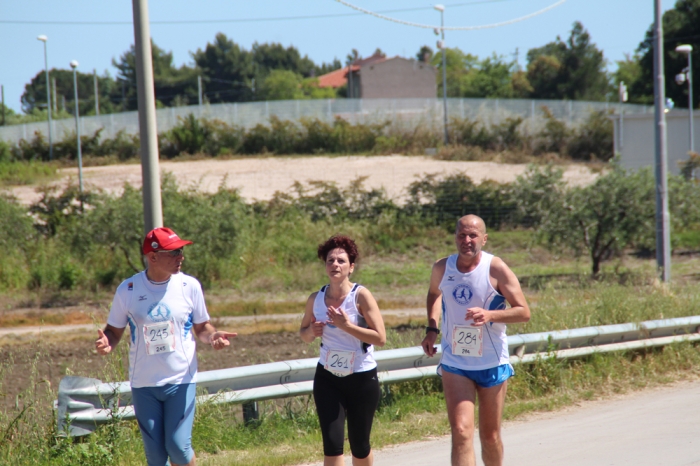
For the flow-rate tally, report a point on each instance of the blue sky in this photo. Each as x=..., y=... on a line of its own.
x=95, y=32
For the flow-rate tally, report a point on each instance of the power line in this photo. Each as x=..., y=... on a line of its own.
x=459, y=28
x=237, y=20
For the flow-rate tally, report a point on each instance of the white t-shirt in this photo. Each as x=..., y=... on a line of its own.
x=160, y=318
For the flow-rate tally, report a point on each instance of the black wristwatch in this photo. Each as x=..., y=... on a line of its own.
x=432, y=329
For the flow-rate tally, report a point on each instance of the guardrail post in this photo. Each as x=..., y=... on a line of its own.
x=251, y=415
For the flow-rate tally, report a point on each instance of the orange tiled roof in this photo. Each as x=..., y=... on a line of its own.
x=335, y=79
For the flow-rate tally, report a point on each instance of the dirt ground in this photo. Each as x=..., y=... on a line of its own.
x=260, y=177
x=48, y=361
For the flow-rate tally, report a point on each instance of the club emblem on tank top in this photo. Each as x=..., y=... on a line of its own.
x=159, y=312
x=462, y=294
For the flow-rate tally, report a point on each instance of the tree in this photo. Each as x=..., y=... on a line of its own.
x=467, y=76
x=681, y=25
x=425, y=54
x=614, y=213
x=172, y=85
x=227, y=70
x=288, y=85
x=34, y=96
x=574, y=69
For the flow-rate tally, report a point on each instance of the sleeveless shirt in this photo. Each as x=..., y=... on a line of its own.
x=461, y=291
x=336, y=339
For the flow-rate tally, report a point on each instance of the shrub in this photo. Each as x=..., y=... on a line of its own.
x=593, y=140
x=450, y=198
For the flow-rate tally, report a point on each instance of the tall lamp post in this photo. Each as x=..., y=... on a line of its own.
x=44, y=39
x=74, y=65
x=441, y=46
x=687, y=75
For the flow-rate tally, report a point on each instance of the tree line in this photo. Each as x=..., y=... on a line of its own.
x=572, y=68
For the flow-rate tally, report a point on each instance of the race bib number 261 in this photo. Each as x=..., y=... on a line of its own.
x=340, y=363
x=466, y=341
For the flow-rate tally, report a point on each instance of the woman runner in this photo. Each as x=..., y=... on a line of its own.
x=346, y=317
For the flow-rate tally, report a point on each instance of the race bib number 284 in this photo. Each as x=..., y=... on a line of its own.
x=466, y=341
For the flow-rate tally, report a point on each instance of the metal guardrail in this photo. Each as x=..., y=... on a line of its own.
x=84, y=403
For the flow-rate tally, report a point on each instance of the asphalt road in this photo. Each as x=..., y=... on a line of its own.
x=655, y=427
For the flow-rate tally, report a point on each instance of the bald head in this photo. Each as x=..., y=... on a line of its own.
x=471, y=221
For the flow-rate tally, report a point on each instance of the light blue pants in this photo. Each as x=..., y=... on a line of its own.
x=165, y=416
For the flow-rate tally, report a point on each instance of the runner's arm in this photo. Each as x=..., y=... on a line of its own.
x=433, y=305
x=374, y=334
x=508, y=285
x=310, y=329
x=208, y=334
x=108, y=338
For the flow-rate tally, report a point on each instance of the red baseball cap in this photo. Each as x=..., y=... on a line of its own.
x=162, y=239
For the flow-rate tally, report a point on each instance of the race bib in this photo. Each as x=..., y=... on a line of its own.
x=340, y=363
x=466, y=341
x=159, y=337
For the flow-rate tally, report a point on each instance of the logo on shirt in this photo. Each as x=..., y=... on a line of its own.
x=462, y=294
x=159, y=312
x=130, y=286
x=142, y=297
x=450, y=278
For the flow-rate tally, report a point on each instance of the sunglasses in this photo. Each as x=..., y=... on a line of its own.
x=174, y=252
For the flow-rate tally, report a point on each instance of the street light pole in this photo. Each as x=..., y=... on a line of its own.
x=44, y=39
x=441, y=9
x=74, y=65
x=663, y=230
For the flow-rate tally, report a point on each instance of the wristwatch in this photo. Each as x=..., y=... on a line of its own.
x=432, y=329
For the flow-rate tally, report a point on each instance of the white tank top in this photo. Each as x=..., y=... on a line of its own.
x=336, y=339
x=461, y=291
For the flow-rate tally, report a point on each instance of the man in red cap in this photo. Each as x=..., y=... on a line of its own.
x=164, y=309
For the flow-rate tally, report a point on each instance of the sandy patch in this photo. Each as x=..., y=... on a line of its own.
x=259, y=177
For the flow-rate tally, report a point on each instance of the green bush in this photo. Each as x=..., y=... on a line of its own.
x=593, y=139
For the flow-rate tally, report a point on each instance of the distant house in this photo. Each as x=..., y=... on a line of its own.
x=379, y=77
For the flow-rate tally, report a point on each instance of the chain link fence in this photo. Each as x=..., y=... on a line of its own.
x=401, y=112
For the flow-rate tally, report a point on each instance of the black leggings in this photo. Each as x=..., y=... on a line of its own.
x=355, y=397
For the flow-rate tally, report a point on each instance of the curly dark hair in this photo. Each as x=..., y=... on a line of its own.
x=343, y=242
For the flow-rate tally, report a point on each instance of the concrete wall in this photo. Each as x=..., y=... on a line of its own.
x=635, y=139
x=397, y=78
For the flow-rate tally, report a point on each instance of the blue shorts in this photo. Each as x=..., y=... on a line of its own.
x=484, y=378
x=165, y=416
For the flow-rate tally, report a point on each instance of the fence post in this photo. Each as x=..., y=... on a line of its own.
x=251, y=415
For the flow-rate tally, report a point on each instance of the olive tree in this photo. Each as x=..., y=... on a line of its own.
x=601, y=220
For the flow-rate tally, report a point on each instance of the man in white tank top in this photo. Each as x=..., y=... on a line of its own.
x=469, y=290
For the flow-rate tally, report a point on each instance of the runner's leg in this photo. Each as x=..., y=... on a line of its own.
x=179, y=418
x=460, y=394
x=491, y=401
x=149, y=413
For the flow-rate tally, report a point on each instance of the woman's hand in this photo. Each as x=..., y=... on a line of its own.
x=317, y=327
x=338, y=317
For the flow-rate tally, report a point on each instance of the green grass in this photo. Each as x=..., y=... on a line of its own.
x=288, y=434
x=24, y=173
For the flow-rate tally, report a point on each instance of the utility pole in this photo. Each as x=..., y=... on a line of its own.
x=441, y=44
x=97, y=95
x=199, y=89
x=53, y=89
x=152, y=206
x=2, y=91
x=663, y=236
